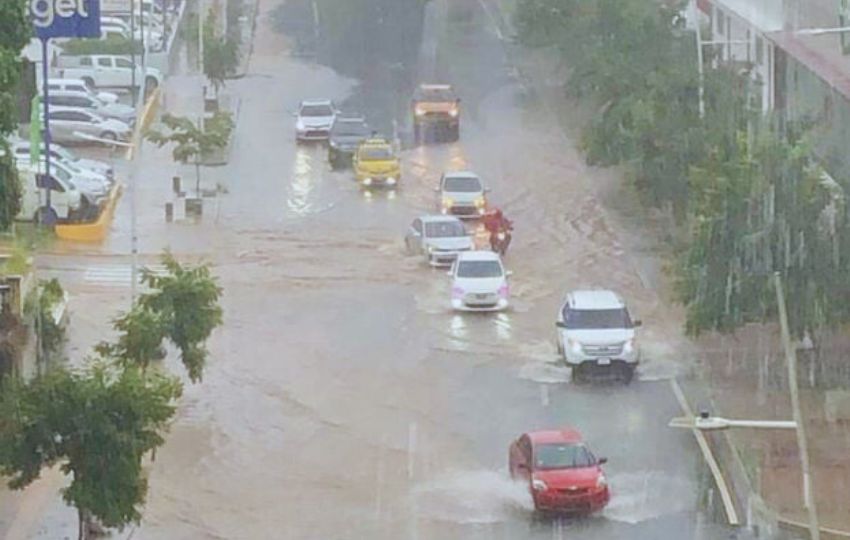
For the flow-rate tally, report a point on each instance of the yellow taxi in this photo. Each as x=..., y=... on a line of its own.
x=376, y=164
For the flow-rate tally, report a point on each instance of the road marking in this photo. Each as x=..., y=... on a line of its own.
x=115, y=275
x=411, y=449
x=725, y=496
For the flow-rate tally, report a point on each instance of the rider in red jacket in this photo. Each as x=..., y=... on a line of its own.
x=496, y=221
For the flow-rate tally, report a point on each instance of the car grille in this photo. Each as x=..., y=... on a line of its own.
x=316, y=133
x=481, y=299
x=574, y=491
x=614, y=349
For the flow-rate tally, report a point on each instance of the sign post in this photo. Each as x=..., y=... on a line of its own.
x=843, y=22
x=58, y=18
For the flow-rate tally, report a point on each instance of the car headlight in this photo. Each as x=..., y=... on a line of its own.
x=574, y=345
x=448, y=202
x=333, y=144
x=430, y=249
x=419, y=111
x=367, y=181
x=601, y=481
x=391, y=180
x=629, y=346
x=299, y=125
x=453, y=113
x=539, y=485
x=479, y=201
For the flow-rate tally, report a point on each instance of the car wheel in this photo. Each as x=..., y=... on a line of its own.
x=45, y=216
x=109, y=136
x=627, y=373
x=579, y=374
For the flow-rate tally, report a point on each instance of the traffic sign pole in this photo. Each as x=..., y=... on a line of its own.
x=46, y=217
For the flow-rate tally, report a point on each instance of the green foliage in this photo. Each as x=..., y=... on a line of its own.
x=221, y=55
x=186, y=301
x=15, y=31
x=190, y=140
x=97, y=425
x=51, y=333
x=141, y=333
x=110, y=45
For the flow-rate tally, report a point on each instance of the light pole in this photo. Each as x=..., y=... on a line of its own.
x=802, y=443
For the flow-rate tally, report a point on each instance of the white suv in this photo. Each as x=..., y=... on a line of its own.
x=596, y=334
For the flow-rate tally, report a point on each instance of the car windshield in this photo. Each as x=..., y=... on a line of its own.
x=462, y=184
x=479, y=269
x=444, y=229
x=61, y=174
x=436, y=94
x=562, y=456
x=597, y=318
x=376, y=153
x=316, y=110
x=350, y=129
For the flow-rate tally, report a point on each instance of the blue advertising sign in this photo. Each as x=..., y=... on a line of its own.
x=65, y=18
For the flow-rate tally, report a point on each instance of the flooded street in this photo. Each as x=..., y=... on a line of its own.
x=344, y=399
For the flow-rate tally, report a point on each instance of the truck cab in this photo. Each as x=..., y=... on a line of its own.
x=65, y=198
x=436, y=113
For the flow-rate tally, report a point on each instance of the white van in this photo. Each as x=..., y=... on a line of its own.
x=64, y=195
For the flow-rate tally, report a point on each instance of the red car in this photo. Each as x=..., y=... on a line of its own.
x=562, y=474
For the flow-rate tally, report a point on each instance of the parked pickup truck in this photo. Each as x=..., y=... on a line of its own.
x=107, y=71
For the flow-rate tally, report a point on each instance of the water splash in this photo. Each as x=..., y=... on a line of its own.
x=472, y=497
x=641, y=496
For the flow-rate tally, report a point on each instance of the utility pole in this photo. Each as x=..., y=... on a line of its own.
x=700, y=66
x=133, y=89
x=791, y=359
x=201, y=37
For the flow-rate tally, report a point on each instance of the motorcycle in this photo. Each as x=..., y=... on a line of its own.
x=500, y=241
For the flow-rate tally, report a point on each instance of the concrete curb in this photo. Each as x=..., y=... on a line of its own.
x=145, y=120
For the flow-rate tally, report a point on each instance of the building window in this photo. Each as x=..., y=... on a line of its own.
x=759, y=50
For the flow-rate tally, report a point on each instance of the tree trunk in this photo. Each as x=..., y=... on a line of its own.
x=198, y=176
x=84, y=527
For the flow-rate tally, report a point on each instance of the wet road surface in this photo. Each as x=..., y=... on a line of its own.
x=344, y=399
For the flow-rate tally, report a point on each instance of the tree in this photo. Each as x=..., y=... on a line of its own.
x=192, y=141
x=182, y=306
x=221, y=55
x=186, y=301
x=96, y=424
x=15, y=31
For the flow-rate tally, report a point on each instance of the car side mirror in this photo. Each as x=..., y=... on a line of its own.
x=509, y=273
x=602, y=461
x=637, y=323
x=561, y=324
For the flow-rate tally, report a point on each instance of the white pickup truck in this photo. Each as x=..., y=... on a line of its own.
x=107, y=71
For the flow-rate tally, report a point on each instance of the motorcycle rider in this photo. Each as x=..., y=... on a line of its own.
x=496, y=222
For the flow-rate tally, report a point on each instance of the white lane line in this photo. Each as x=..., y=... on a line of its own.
x=725, y=496
x=116, y=275
x=411, y=449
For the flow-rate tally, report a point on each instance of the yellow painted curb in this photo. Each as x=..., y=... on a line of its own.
x=148, y=114
x=95, y=231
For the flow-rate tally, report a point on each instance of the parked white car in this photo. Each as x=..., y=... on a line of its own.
x=64, y=196
x=93, y=187
x=78, y=85
x=108, y=71
x=596, y=334
x=153, y=36
x=66, y=123
x=81, y=100
x=479, y=282
x=461, y=193
x=314, y=119
x=21, y=151
x=438, y=238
